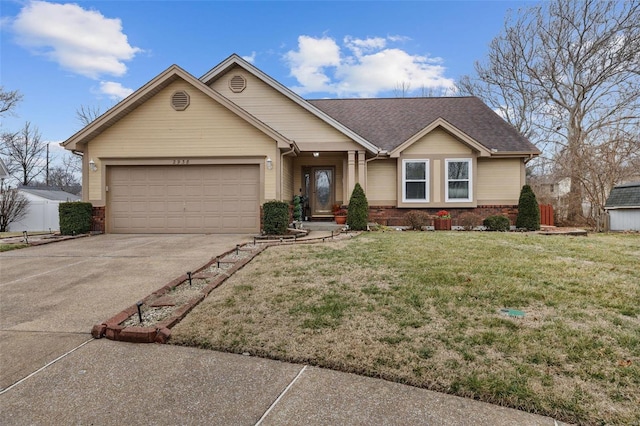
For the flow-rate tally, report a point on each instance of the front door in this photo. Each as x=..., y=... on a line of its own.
x=322, y=194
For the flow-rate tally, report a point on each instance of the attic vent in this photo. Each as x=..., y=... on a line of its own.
x=237, y=83
x=180, y=100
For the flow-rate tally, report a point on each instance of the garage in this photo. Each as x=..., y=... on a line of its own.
x=183, y=199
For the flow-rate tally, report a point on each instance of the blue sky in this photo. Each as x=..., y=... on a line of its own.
x=61, y=55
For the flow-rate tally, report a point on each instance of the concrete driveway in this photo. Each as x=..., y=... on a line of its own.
x=51, y=295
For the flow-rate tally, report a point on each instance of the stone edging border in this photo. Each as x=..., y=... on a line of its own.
x=160, y=332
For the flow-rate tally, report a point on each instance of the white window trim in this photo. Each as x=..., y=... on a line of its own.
x=446, y=182
x=426, y=181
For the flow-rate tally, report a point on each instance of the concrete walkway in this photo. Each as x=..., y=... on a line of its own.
x=52, y=372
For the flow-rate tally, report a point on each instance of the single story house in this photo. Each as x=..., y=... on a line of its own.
x=623, y=206
x=190, y=155
x=42, y=211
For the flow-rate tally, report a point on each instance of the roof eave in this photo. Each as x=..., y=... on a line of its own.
x=234, y=59
x=441, y=122
x=150, y=89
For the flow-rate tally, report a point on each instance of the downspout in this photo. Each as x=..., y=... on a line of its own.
x=282, y=155
x=379, y=155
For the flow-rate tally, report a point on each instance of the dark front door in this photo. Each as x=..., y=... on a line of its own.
x=322, y=196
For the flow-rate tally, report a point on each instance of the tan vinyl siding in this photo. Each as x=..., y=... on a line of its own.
x=496, y=184
x=287, y=179
x=204, y=129
x=437, y=142
x=281, y=113
x=381, y=182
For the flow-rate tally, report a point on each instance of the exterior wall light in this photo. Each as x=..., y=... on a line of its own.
x=316, y=154
x=269, y=163
x=92, y=165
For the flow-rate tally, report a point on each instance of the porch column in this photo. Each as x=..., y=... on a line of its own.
x=351, y=175
x=362, y=175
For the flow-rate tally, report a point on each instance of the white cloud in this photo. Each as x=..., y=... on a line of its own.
x=251, y=58
x=309, y=62
x=363, y=67
x=82, y=41
x=114, y=90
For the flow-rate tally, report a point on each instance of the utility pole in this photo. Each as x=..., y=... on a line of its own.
x=47, y=176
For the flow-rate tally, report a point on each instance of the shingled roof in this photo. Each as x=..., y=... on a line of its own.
x=624, y=196
x=388, y=122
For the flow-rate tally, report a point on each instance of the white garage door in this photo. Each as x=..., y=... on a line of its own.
x=183, y=199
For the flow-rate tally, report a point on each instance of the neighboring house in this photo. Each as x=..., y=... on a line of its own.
x=623, y=206
x=183, y=154
x=42, y=212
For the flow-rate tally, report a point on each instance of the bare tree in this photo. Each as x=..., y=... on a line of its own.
x=86, y=114
x=566, y=72
x=13, y=206
x=24, y=153
x=402, y=89
x=8, y=100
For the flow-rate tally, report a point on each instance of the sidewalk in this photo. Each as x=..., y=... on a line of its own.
x=109, y=383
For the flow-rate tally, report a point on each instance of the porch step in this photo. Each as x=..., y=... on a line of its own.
x=321, y=226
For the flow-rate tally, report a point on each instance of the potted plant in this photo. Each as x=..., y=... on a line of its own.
x=442, y=222
x=340, y=216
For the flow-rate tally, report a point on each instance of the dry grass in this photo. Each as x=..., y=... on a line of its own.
x=424, y=309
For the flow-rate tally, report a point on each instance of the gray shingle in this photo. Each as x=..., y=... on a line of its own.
x=388, y=122
x=627, y=195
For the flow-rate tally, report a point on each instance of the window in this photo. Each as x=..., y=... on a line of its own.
x=458, y=186
x=415, y=181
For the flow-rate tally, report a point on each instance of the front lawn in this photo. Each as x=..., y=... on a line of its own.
x=425, y=308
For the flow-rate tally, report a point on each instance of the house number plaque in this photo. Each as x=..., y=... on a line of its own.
x=180, y=161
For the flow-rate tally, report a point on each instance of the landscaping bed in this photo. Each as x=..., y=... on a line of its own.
x=442, y=310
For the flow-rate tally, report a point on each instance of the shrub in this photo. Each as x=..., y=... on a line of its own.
x=469, y=220
x=358, y=212
x=417, y=219
x=528, y=210
x=297, y=208
x=75, y=218
x=497, y=223
x=275, y=217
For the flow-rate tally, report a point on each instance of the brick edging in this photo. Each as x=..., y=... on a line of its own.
x=160, y=332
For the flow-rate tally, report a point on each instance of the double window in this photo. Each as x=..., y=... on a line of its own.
x=458, y=184
x=415, y=181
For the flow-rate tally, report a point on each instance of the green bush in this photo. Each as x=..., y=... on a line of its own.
x=275, y=217
x=528, y=210
x=417, y=219
x=497, y=223
x=297, y=208
x=358, y=212
x=75, y=218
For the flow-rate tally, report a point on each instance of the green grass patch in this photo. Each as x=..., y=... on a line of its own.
x=9, y=247
x=426, y=309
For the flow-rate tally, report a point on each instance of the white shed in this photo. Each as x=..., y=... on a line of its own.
x=623, y=206
x=42, y=214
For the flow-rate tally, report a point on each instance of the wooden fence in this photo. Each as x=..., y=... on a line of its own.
x=546, y=214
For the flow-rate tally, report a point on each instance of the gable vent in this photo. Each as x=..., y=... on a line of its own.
x=237, y=83
x=180, y=100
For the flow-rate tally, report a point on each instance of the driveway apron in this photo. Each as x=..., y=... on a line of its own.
x=51, y=295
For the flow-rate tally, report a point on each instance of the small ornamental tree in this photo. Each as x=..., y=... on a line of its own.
x=13, y=207
x=297, y=208
x=358, y=212
x=528, y=210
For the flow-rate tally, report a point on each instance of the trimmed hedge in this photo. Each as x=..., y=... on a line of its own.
x=275, y=217
x=75, y=218
x=497, y=223
x=528, y=210
x=358, y=212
